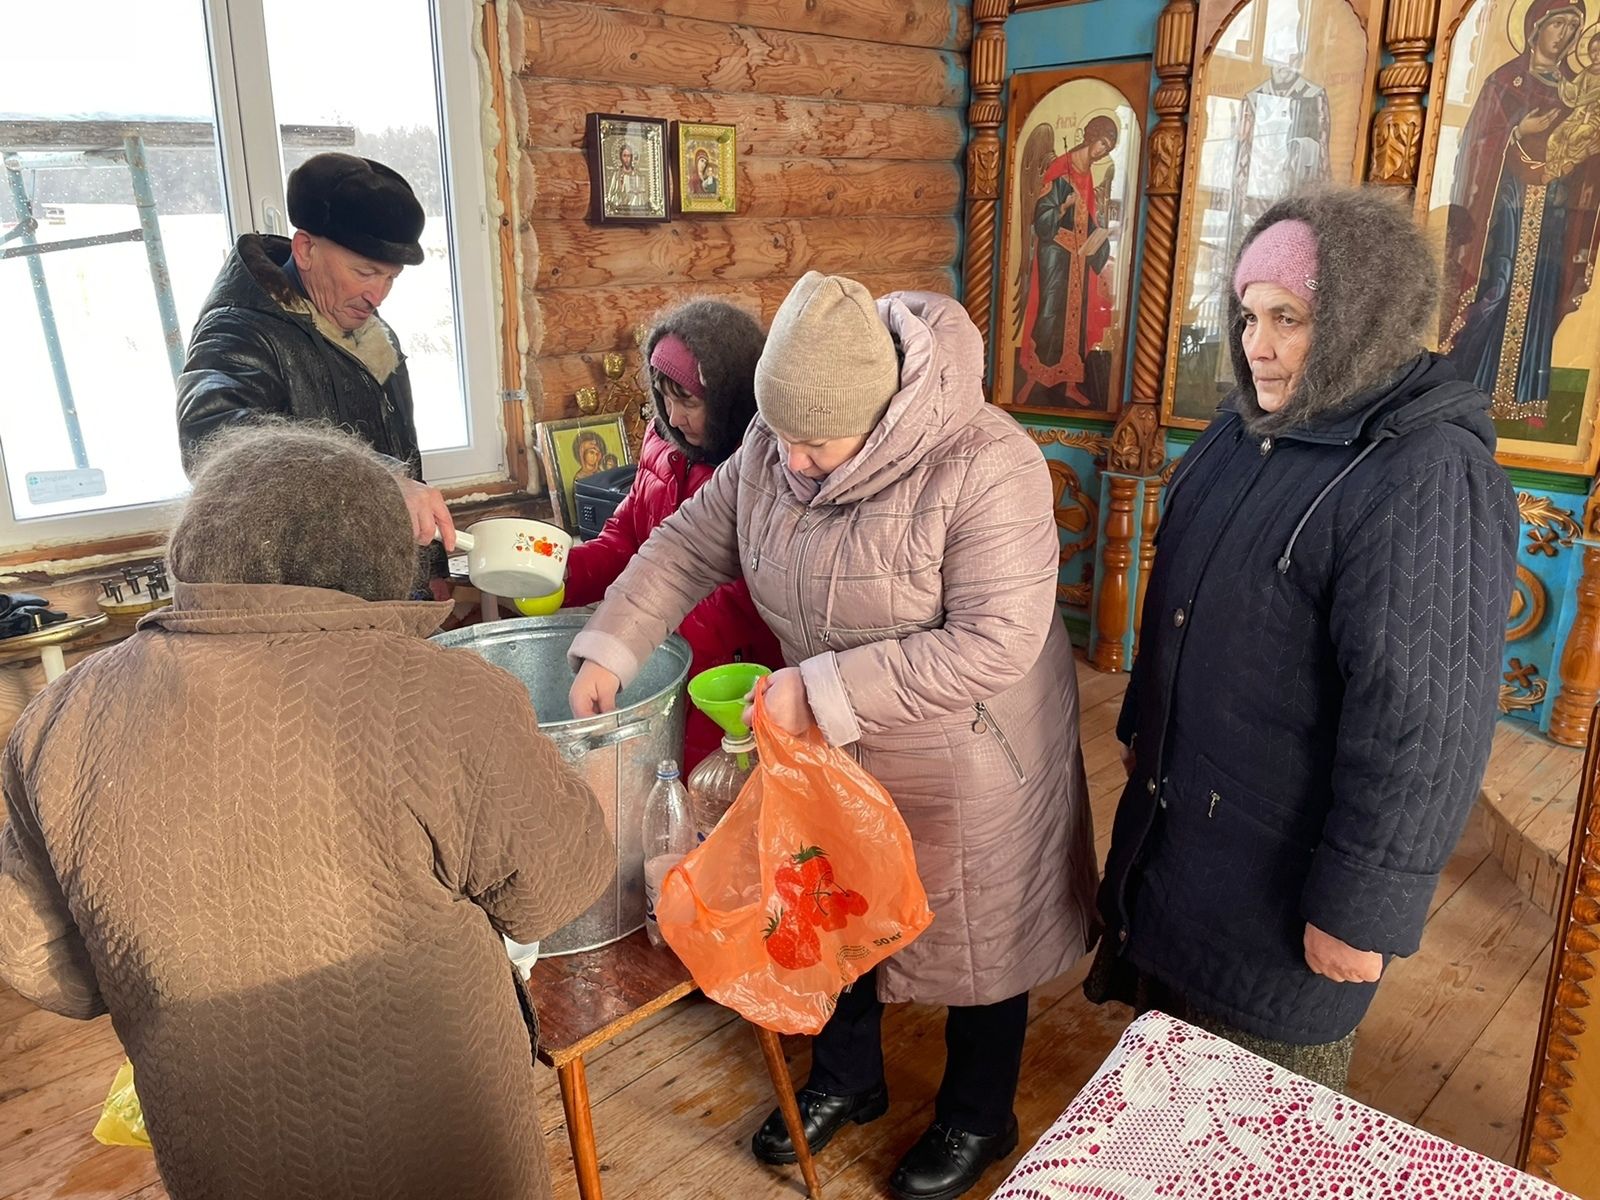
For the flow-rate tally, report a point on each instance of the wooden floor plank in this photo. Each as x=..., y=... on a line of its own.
x=1514, y=758
x=1516, y=783
x=1470, y=1108
x=698, y=1106
x=42, y=1048
x=1102, y=752
x=26, y=1111
x=698, y=1113
x=1100, y=720
x=13, y=1007
x=85, y=1169
x=620, y=1063
x=1095, y=686
x=1539, y=818
x=1432, y=1007
x=1554, y=781
x=1470, y=853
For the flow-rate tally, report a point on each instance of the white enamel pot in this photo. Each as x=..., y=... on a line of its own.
x=516, y=558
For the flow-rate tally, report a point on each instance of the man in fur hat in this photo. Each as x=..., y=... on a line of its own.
x=291, y=326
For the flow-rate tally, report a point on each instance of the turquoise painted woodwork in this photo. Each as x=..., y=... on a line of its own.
x=1052, y=37
x=1545, y=601
x=1074, y=451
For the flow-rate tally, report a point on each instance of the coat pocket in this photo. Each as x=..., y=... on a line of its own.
x=985, y=723
x=1232, y=863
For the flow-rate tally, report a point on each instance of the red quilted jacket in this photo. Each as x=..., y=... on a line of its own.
x=722, y=628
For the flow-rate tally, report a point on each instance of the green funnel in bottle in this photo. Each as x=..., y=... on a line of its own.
x=721, y=693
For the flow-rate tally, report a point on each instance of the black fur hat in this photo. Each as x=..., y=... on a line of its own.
x=727, y=342
x=361, y=204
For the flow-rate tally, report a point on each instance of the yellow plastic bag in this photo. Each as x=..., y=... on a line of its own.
x=121, y=1121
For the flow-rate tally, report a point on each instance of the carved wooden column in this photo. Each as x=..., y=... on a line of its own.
x=1137, y=453
x=1563, y=1066
x=1149, y=518
x=1397, y=126
x=987, y=72
x=1573, y=707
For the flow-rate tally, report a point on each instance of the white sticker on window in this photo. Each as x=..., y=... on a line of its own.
x=53, y=487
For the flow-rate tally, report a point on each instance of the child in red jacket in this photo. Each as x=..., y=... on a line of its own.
x=702, y=386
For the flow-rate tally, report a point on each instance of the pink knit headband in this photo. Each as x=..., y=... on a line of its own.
x=673, y=358
x=1284, y=253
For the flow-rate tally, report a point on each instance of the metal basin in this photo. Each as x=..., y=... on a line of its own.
x=616, y=753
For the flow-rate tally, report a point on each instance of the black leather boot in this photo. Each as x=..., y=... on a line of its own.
x=822, y=1116
x=945, y=1162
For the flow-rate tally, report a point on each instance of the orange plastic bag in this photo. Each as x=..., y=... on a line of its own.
x=807, y=883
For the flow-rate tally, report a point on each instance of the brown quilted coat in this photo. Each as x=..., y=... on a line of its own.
x=916, y=592
x=275, y=833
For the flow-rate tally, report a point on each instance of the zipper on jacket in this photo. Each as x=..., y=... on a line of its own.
x=1212, y=811
x=985, y=723
x=807, y=529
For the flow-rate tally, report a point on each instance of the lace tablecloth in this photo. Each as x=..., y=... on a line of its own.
x=1177, y=1112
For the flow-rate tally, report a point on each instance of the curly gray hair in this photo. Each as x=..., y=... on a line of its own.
x=296, y=503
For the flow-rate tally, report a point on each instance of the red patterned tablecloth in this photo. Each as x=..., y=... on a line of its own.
x=1177, y=1112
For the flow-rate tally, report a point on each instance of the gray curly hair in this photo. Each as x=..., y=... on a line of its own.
x=296, y=503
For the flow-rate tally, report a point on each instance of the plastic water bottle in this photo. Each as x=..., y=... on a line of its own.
x=716, y=783
x=668, y=836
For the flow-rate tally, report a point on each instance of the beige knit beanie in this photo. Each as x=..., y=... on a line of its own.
x=829, y=368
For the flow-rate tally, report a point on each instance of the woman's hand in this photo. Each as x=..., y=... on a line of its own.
x=1129, y=762
x=1339, y=961
x=594, y=691
x=786, y=704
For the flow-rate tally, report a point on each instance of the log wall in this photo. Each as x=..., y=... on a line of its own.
x=850, y=136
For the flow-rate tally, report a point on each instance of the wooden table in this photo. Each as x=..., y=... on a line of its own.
x=584, y=1000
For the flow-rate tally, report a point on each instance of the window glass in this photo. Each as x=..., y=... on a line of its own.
x=377, y=79
x=93, y=327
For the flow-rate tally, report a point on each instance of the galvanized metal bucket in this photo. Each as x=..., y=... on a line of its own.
x=616, y=753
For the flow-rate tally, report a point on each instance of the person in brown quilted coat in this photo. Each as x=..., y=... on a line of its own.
x=898, y=536
x=278, y=835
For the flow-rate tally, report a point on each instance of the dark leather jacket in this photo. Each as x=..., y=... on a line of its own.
x=256, y=349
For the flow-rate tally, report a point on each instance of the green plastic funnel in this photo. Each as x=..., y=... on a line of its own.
x=721, y=693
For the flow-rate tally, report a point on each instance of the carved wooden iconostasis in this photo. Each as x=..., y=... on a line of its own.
x=1561, y=1126
x=1106, y=340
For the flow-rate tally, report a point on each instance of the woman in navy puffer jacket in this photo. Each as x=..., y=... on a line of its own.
x=1318, y=678
x=702, y=386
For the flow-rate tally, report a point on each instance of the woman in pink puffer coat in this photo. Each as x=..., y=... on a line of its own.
x=898, y=536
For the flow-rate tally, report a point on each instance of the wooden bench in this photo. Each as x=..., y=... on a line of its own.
x=584, y=1000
